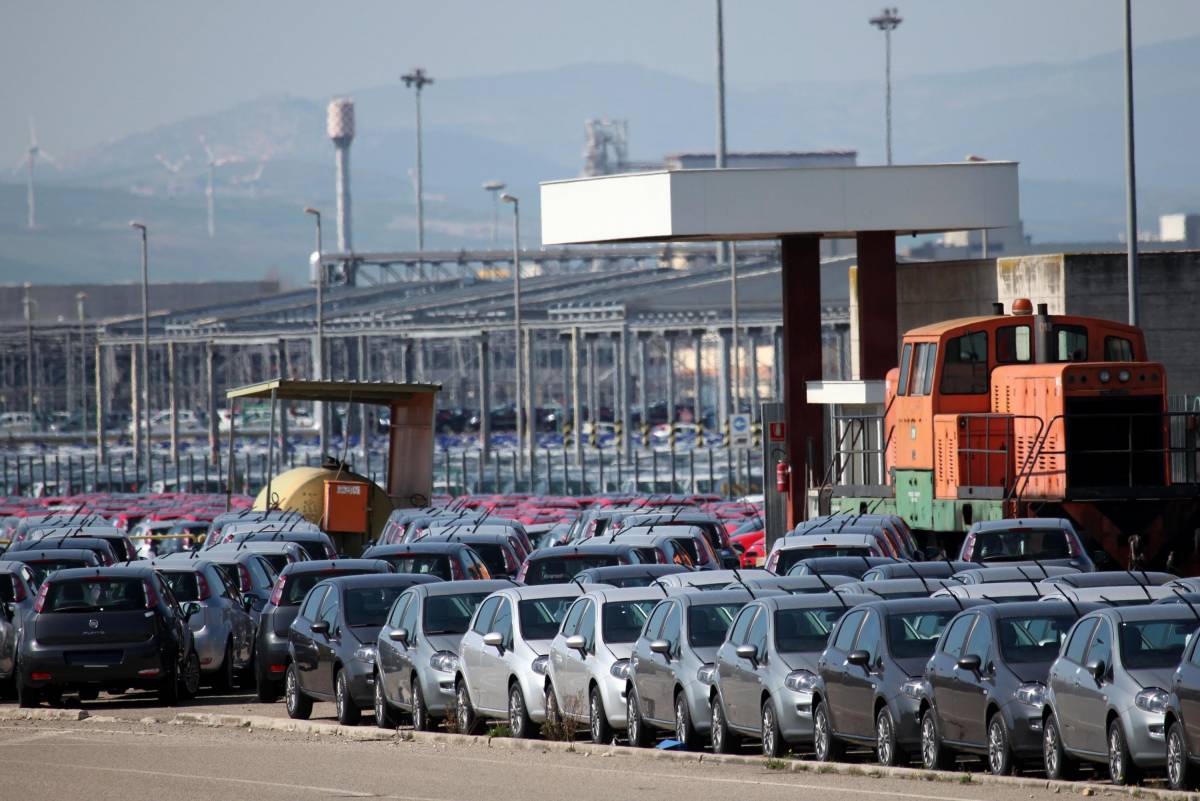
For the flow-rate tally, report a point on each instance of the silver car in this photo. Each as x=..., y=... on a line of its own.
x=16, y=604
x=672, y=662
x=222, y=630
x=712, y=579
x=503, y=657
x=589, y=657
x=1106, y=696
x=417, y=649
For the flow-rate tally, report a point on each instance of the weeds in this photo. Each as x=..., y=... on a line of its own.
x=499, y=730
x=560, y=724
x=823, y=768
x=776, y=764
x=964, y=778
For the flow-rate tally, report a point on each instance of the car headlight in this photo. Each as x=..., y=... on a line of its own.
x=541, y=665
x=445, y=661
x=1032, y=694
x=801, y=681
x=620, y=669
x=913, y=688
x=365, y=653
x=707, y=674
x=1152, y=699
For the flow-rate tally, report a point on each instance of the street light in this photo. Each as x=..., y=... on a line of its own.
x=1131, y=243
x=318, y=263
x=495, y=187
x=27, y=304
x=419, y=80
x=887, y=21
x=524, y=397
x=80, y=297
x=141, y=228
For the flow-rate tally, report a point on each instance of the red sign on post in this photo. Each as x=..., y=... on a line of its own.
x=777, y=432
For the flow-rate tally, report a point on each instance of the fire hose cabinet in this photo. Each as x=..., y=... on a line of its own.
x=345, y=507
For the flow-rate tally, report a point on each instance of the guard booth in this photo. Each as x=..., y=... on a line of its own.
x=349, y=507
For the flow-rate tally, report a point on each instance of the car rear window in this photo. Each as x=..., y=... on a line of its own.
x=95, y=595
x=1032, y=639
x=7, y=592
x=540, y=617
x=368, y=606
x=43, y=569
x=184, y=585
x=800, y=631
x=430, y=564
x=561, y=569
x=277, y=561
x=298, y=584
x=708, y=624
x=1155, y=643
x=451, y=614
x=788, y=557
x=622, y=621
x=914, y=635
x=1020, y=545
x=493, y=558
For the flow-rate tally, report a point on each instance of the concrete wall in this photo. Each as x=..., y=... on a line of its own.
x=927, y=292
x=55, y=301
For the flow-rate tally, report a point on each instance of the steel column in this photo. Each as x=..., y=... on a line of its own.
x=485, y=397
x=800, y=258
x=876, y=304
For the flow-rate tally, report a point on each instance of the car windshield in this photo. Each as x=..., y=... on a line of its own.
x=708, y=623
x=790, y=556
x=1020, y=545
x=1155, y=643
x=43, y=569
x=431, y=564
x=185, y=585
x=369, y=606
x=560, y=569
x=622, y=621
x=99, y=594
x=541, y=617
x=805, y=630
x=913, y=635
x=450, y=614
x=298, y=584
x=1030, y=638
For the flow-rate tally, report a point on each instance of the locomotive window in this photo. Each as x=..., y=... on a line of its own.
x=1012, y=345
x=1118, y=349
x=905, y=364
x=965, y=371
x=922, y=381
x=1071, y=343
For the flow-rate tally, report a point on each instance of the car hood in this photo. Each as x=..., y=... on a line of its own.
x=1153, y=677
x=366, y=635
x=801, y=660
x=706, y=655
x=621, y=650
x=445, y=642
x=539, y=647
x=1027, y=672
x=914, y=668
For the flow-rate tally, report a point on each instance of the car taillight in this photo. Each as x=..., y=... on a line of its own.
x=41, y=599
x=105, y=560
x=968, y=548
x=151, y=595
x=202, y=591
x=18, y=589
x=277, y=593
x=330, y=553
x=511, y=565
x=244, y=578
x=456, y=571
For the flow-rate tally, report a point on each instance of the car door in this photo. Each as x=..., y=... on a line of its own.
x=1186, y=684
x=973, y=688
x=859, y=682
x=662, y=705
x=942, y=675
x=493, y=690
x=1093, y=692
x=472, y=647
x=727, y=658
x=741, y=698
x=304, y=646
x=645, y=678
x=833, y=668
x=321, y=679
x=1064, y=681
x=387, y=651
x=406, y=653
x=571, y=670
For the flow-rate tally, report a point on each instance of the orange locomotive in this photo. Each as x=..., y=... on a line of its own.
x=1038, y=415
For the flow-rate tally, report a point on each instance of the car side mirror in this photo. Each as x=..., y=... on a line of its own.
x=320, y=627
x=860, y=658
x=748, y=652
x=190, y=610
x=494, y=639
x=576, y=643
x=247, y=602
x=399, y=635
x=970, y=662
x=660, y=647
x=1097, y=668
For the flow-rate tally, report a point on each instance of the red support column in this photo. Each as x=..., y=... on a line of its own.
x=877, y=335
x=801, y=262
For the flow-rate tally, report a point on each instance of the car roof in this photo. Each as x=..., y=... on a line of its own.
x=294, y=535
x=1135, y=614
x=906, y=584
x=915, y=605
x=1023, y=572
x=908, y=569
x=619, y=594
x=690, y=517
x=321, y=565
x=467, y=538
x=587, y=548
x=999, y=589
x=816, y=600
x=47, y=554
x=466, y=587
x=275, y=546
x=368, y=580
x=1018, y=523
x=442, y=547
x=1035, y=609
x=725, y=596
x=535, y=591
x=1126, y=578
x=180, y=565
x=799, y=582
x=115, y=571
x=627, y=571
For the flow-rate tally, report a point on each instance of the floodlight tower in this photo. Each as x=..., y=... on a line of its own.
x=888, y=21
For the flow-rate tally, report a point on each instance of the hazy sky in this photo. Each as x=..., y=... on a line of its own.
x=96, y=69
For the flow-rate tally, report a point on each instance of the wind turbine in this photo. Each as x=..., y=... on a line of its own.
x=213, y=163
x=172, y=167
x=31, y=157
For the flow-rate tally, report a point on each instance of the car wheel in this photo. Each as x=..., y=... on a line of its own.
x=385, y=718
x=721, y=738
x=519, y=723
x=1177, y=759
x=685, y=732
x=1120, y=764
x=420, y=712
x=1057, y=763
x=597, y=720
x=999, y=755
x=189, y=678
x=887, y=749
x=639, y=737
x=348, y=713
x=827, y=746
x=552, y=715
x=299, y=705
x=934, y=755
x=772, y=738
x=225, y=680
x=468, y=721
x=266, y=689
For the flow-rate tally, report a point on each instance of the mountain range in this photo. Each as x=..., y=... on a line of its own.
x=1062, y=121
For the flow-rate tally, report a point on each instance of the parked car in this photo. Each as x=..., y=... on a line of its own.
x=316, y=543
x=852, y=566
x=629, y=575
x=932, y=569
x=103, y=550
x=495, y=550
x=690, y=540
x=870, y=675
x=418, y=650
x=589, y=657
x=1106, y=695
x=712, y=579
x=1183, y=711
x=899, y=587
x=503, y=656
x=107, y=628
x=45, y=563
x=16, y=604
x=250, y=572
x=796, y=585
x=788, y=551
x=271, y=639
x=1049, y=541
x=278, y=554
x=1023, y=571
x=1112, y=578
x=559, y=564
x=714, y=531
x=449, y=561
x=122, y=547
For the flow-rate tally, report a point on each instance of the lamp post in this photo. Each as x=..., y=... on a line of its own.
x=417, y=79
x=524, y=397
x=725, y=249
x=80, y=297
x=319, y=264
x=495, y=187
x=887, y=21
x=1131, y=243
x=141, y=228
x=27, y=304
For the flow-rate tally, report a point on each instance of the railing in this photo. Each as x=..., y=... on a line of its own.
x=865, y=458
x=1007, y=449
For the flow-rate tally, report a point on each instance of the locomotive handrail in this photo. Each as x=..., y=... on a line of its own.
x=835, y=461
x=1030, y=457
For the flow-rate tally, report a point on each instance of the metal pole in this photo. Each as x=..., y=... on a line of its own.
x=270, y=452
x=83, y=371
x=173, y=402
x=485, y=394
x=418, y=79
x=141, y=228
x=887, y=21
x=530, y=357
x=519, y=395
x=720, y=154
x=319, y=408
x=101, y=444
x=576, y=401
x=1131, y=243
x=214, y=445
x=27, y=302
